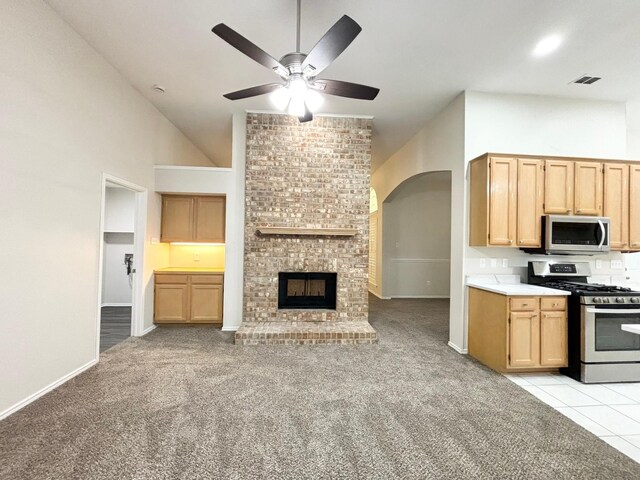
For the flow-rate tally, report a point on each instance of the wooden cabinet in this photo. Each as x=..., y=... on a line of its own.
x=188, y=298
x=496, y=202
x=587, y=187
x=529, y=190
x=616, y=204
x=511, y=334
x=193, y=218
x=558, y=187
x=634, y=207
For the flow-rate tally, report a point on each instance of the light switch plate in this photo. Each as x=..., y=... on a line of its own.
x=598, y=264
x=505, y=263
x=616, y=263
x=483, y=263
x=494, y=262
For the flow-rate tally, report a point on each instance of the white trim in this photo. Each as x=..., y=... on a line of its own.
x=420, y=260
x=462, y=351
x=230, y=328
x=47, y=389
x=379, y=296
x=177, y=167
x=148, y=330
x=419, y=296
x=117, y=304
x=339, y=115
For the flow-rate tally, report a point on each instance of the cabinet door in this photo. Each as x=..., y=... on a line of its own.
x=588, y=188
x=553, y=339
x=171, y=304
x=558, y=187
x=210, y=218
x=616, y=203
x=206, y=303
x=503, y=180
x=524, y=339
x=177, y=219
x=530, y=197
x=634, y=207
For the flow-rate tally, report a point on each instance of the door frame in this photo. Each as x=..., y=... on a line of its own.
x=139, y=232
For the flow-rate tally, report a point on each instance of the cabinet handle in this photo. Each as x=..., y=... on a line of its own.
x=578, y=211
x=510, y=242
x=568, y=210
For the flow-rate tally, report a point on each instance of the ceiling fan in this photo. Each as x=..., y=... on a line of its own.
x=298, y=71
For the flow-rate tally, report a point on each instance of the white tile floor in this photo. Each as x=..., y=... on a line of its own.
x=609, y=410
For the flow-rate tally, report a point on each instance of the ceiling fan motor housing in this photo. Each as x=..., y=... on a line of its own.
x=293, y=62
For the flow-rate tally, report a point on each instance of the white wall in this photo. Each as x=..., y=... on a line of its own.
x=116, y=286
x=439, y=146
x=67, y=116
x=633, y=131
x=417, y=237
x=120, y=209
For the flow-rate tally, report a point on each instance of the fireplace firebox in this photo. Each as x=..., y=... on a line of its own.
x=307, y=290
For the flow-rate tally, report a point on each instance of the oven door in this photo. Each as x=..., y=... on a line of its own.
x=603, y=339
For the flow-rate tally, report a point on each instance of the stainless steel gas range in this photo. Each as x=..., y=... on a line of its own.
x=599, y=350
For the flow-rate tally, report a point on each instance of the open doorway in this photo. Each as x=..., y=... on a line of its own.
x=121, y=249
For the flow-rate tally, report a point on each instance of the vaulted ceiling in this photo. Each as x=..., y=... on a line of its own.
x=420, y=53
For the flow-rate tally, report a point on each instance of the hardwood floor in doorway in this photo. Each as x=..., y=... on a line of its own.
x=115, y=326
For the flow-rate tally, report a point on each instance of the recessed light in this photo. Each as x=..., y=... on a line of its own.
x=547, y=45
x=158, y=88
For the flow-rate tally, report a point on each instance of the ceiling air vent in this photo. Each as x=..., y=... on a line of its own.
x=586, y=80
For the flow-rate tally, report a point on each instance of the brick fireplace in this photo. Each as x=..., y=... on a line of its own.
x=306, y=215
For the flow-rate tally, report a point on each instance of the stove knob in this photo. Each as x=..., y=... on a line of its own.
x=597, y=300
x=620, y=300
x=635, y=300
x=606, y=300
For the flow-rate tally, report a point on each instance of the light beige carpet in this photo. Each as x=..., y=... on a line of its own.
x=188, y=404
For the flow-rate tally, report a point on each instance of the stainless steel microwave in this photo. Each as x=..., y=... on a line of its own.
x=574, y=235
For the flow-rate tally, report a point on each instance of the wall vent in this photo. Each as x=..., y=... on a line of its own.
x=586, y=80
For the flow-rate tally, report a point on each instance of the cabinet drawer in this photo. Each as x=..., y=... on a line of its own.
x=553, y=303
x=170, y=278
x=524, y=304
x=207, y=279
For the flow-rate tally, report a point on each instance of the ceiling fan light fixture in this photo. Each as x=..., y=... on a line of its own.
x=313, y=100
x=280, y=98
x=296, y=106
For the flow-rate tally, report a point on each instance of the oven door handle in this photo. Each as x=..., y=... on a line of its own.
x=603, y=232
x=621, y=311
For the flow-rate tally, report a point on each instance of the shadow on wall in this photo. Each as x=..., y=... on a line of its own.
x=417, y=237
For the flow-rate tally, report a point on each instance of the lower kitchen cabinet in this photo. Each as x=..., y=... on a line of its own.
x=193, y=298
x=514, y=334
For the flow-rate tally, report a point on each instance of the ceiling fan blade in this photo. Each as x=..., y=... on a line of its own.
x=307, y=117
x=331, y=45
x=251, y=50
x=345, y=89
x=253, y=91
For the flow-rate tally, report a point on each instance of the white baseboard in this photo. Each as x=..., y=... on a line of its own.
x=420, y=296
x=148, y=329
x=117, y=304
x=230, y=328
x=380, y=297
x=462, y=351
x=47, y=389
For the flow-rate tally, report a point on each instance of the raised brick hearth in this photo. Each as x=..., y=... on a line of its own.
x=307, y=176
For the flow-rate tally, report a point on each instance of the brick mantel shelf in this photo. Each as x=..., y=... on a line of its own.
x=316, y=232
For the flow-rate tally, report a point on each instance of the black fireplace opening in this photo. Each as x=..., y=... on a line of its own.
x=307, y=290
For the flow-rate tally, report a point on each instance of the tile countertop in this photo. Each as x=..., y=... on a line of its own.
x=510, y=285
x=190, y=270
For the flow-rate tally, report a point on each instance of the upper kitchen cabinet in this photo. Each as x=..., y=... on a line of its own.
x=616, y=204
x=588, y=188
x=530, y=190
x=193, y=218
x=634, y=207
x=558, y=187
x=506, y=201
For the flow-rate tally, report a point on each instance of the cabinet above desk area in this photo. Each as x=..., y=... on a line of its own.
x=509, y=194
x=193, y=219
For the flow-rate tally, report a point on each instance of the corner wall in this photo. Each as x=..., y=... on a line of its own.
x=67, y=116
